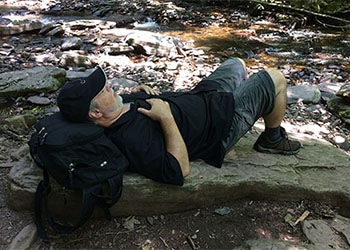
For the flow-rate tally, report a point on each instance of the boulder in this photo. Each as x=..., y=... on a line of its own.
x=34, y=80
x=318, y=173
x=304, y=93
x=339, y=107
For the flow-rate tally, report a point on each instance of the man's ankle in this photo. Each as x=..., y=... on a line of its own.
x=273, y=135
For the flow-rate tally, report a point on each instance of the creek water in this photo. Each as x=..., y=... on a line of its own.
x=257, y=41
x=253, y=40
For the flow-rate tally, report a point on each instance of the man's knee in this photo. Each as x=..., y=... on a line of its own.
x=278, y=79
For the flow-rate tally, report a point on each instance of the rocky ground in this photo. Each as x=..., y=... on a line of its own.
x=205, y=228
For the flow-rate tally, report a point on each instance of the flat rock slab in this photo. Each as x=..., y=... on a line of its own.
x=319, y=172
x=32, y=80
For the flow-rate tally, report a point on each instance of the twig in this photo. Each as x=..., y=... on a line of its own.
x=331, y=26
x=309, y=12
x=302, y=217
x=165, y=244
x=190, y=241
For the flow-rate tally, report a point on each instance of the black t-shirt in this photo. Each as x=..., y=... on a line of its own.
x=203, y=118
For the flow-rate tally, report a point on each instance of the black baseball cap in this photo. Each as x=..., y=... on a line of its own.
x=75, y=96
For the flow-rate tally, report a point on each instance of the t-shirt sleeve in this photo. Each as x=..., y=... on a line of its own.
x=142, y=142
x=164, y=169
x=153, y=161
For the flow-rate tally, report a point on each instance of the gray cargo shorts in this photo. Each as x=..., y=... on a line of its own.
x=253, y=97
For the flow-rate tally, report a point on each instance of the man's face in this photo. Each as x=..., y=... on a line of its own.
x=109, y=102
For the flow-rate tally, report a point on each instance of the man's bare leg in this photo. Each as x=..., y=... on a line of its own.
x=274, y=119
x=274, y=139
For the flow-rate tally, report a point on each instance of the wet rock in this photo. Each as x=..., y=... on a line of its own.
x=37, y=79
x=303, y=93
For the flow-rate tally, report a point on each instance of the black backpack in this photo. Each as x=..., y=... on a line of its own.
x=78, y=156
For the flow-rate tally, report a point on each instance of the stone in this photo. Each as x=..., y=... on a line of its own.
x=39, y=100
x=56, y=31
x=73, y=74
x=88, y=24
x=114, y=61
x=344, y=92
x=48, y=27
x=71, y=43
x=342, y=142
x=318, y=173
x=38, y=79
x=19, y=26
x=268, y=244
x=322, y=235
x=340, y=108
x=123, y=83
x=25, y=239
x=303, y=93
x=329, y=90
x=21, y=121
x=118, y=48
x=342, y=225
x=151, y=43
x=75, y=59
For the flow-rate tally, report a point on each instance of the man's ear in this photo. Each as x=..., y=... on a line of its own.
x=95, y=114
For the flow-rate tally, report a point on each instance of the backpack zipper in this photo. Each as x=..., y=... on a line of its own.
x=70, y=171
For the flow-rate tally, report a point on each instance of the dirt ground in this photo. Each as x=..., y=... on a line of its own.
x=219, y=227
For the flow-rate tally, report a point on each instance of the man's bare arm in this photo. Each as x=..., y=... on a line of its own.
x=160, y=111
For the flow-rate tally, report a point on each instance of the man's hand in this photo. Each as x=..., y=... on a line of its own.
x=160, y=111
x=145, y=88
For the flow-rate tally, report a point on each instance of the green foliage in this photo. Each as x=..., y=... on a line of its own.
x=322, y=6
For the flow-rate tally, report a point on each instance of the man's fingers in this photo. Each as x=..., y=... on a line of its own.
x=143, y=111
